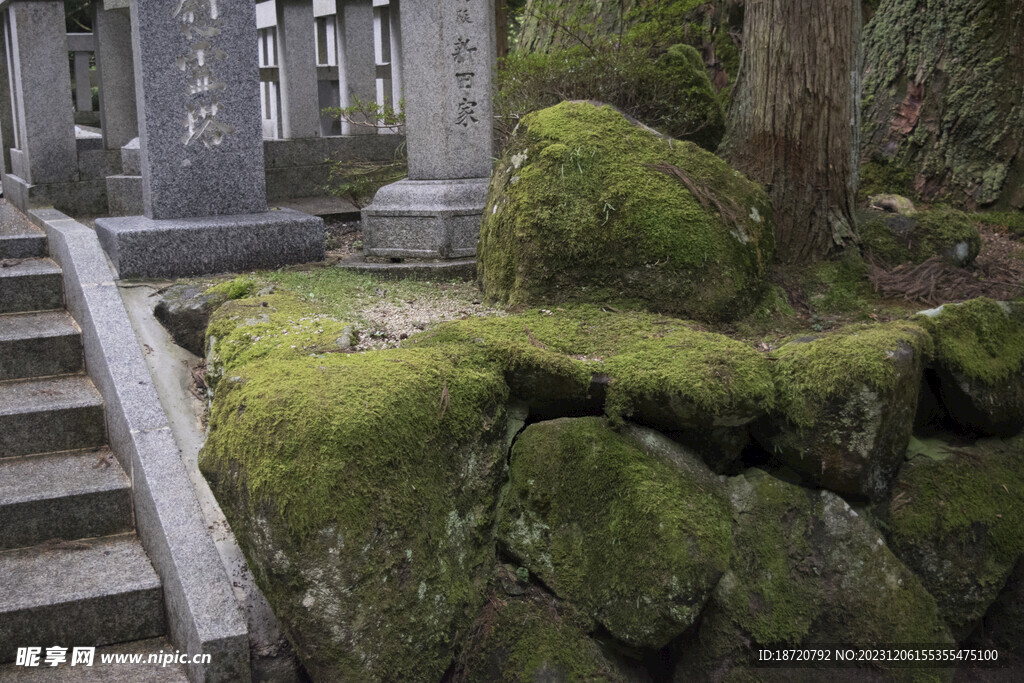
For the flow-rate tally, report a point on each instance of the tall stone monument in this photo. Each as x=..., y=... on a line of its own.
x=447, y=59
x=204, y=194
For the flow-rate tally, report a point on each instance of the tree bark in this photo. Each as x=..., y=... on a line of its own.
x=944, y=101
x=794, y=120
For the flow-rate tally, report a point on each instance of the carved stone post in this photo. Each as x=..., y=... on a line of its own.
x=447, y=59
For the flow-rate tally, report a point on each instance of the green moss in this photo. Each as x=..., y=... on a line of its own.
x=279, y=325
x=981, y=338
x=936, y=232
x=810, y=371
x=878, y=238
x=398, y=453
x=531, y=637
x=237, y=288
x=1013, y=221
x=942, y=228
x=635, y=541
x=643, y=355
x=839, y=286
x=959, y=522
x=577, y=208
x=806, y=570
x=884, y=177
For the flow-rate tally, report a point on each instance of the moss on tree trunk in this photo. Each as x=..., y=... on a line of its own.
x=790, y=122
x=944, y=101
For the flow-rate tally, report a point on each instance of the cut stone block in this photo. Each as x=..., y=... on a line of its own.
x=49, y=415
x=78, y=593
x=38, y=345
x=425, y=219
x=62, y=495
x=31, y=285
x=142, y=247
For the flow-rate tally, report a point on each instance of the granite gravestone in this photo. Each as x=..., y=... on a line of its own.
x=204, y=194
x=447, y=59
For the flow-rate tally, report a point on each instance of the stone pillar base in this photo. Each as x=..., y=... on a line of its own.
x=425, y=219
x=140, y=246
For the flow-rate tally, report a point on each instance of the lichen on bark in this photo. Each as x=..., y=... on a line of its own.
x=943, y=106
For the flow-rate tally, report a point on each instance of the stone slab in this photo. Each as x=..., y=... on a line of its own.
x=39, y=344
x=131, y=158
x=142, y=247
x=104, y=591
x=200, y=123
x=62, y=495
x=31, y=285
x=428, y=219
x=42, y=91
x=82, y=198
x=116, y=70
x=49, y=415
x=456, y=269
x=297, y=78
x=18, y=237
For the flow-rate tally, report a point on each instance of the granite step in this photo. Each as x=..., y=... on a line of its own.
x=82, y=494
x=39, y=344
x=78, y=593
x=49, y=415
x=19, y=238
x=31, y=284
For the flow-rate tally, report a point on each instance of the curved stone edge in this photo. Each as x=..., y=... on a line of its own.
x=202, y=614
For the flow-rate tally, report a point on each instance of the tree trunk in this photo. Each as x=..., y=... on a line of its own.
x=794, y=119
x=944, y=101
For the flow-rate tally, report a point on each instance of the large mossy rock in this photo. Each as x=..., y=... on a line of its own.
x=943, y=232
x=361, y=488
x=979, y=363
x=703, y=388
x=846, y=405
x=525, y=635
x=806, y=570
x=630, y=529
x=585, y=205
x=959, y=524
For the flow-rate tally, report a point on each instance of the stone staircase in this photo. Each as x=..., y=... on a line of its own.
x=72, y=570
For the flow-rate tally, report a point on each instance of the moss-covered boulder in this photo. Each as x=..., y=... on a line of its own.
x=1003, y=624
x=184, y=309
x=979, y=363
x=703, y=388
x=361, y=488
x=525, y=635
x=630, y=529
x=846, y=404
x=585, y=205
x=959, y=523
x=944, y=232
x=806, y=570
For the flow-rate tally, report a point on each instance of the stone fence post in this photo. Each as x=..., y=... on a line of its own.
x=41, y=140
x=447, y=60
